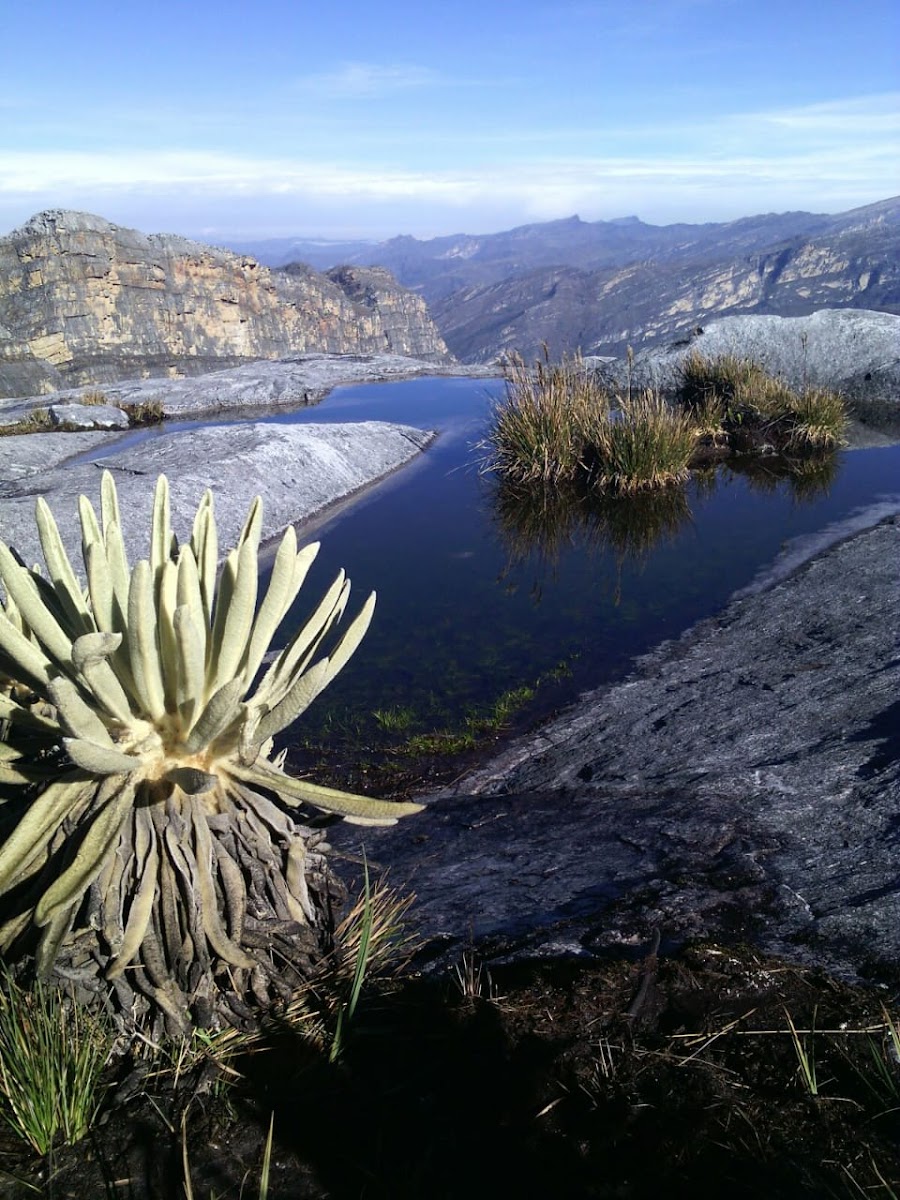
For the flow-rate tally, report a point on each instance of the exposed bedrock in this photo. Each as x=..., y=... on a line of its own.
x=853, y=351
x=298, y=471
x=743, y=783
x=85, y=301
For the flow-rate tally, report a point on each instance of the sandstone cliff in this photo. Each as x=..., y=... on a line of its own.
x=85, y=301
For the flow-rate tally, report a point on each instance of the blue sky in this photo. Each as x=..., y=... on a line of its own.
x=271, y=118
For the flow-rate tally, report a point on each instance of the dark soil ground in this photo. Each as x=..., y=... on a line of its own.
x=609, y=1079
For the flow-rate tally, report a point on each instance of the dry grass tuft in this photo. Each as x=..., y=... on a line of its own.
x=811, y=421
x=541, y=428
x=648, y=445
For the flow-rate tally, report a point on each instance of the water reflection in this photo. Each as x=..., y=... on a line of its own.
x=807, y=479
x=539, y=524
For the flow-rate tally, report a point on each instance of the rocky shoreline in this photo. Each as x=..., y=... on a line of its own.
x=742, y=784
x=263, y=386
x=300, y=472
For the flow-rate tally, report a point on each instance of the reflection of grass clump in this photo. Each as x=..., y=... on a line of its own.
x=634, y=526
x=545, y=520
x=806, y=479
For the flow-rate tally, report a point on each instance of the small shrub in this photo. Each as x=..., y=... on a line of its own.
x=94, y=398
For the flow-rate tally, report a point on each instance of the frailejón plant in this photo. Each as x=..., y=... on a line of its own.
x=147, y=849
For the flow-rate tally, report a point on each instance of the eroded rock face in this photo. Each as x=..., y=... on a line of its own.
x=663, y=281
x=85, y=301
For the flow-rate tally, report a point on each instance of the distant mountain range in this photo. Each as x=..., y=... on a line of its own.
x=601, y=285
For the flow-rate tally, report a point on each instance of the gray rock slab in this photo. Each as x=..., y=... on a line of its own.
x=88, y=416
x=298, y=471
x=854, y=351
x=267, y=384
x=26, y=454
x=743, y=783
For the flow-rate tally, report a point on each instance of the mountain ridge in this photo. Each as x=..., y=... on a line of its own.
x=600, y=286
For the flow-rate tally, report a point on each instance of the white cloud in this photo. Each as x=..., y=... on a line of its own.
x=824, y=157
x=862, y=115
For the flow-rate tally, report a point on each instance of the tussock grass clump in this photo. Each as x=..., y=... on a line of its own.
x=94, y=398
x=753, y=404
x=724, y=381
x=52, y=1054
x=38, y=421
x=556, y=425
x=649, y=445
x=144, y=412
x=814, y=420
x=544, y=423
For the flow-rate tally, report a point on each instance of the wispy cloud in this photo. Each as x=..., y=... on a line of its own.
x=362, y=80
x=822, y=156
x=862, y=115
x=39, y=172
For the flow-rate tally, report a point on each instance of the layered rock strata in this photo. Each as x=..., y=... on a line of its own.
x=85, y=301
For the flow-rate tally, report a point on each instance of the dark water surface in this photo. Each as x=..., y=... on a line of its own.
x=470, y=606
x=477, y=597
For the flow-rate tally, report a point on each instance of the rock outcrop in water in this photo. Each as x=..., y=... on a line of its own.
x=85, y=301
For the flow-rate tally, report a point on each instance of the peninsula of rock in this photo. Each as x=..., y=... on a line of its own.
x=297, y=470
x=742, y=783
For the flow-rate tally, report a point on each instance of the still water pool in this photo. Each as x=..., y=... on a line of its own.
x=480, y=596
